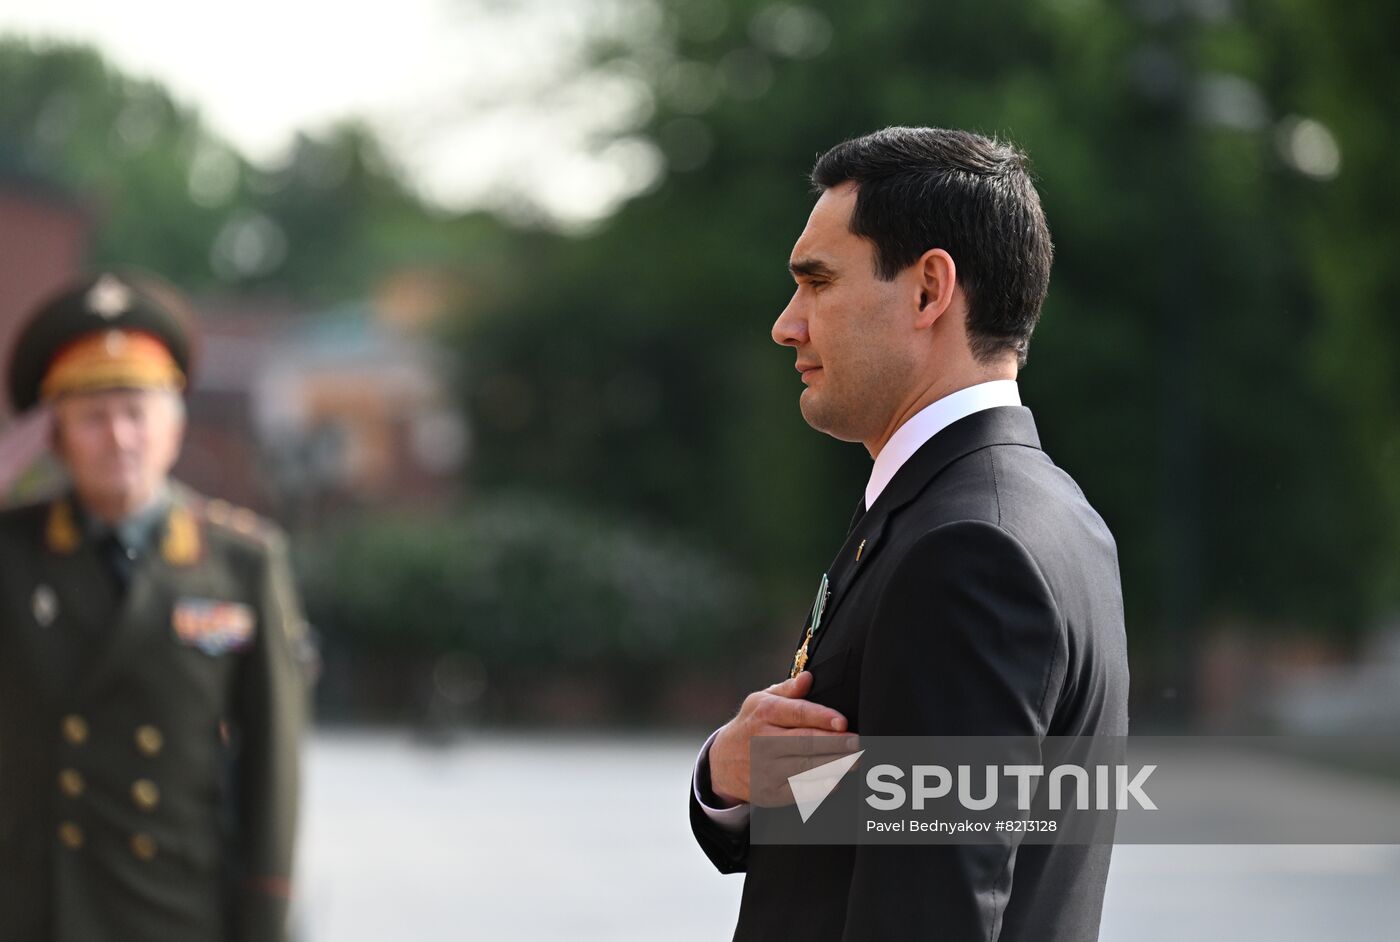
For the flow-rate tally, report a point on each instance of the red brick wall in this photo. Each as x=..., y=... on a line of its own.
x=43, y=244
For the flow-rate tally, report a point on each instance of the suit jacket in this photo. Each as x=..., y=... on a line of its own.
x=986, y=602
x=148, y=738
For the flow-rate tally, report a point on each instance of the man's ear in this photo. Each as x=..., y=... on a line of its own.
x=937, y=276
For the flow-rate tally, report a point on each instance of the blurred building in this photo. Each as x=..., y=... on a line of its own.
x=294, y=411
x=1350, y=698
x=1292, y=682
x=302, y=412
x=44, y=234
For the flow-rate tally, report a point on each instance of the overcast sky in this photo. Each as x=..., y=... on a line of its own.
x=463, y=91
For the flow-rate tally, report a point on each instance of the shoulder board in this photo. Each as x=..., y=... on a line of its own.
x=226, y=517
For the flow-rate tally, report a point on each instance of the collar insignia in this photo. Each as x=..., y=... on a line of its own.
x=181, y=544
x=62, y=530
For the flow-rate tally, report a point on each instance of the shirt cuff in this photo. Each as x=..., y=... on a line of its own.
x=733, y=818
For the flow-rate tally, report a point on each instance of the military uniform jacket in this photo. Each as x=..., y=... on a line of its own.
x=978, y=596
x=148, y=737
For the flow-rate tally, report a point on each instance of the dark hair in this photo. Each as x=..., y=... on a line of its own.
x=924, y=188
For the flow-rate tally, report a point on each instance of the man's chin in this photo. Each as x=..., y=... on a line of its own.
x=822, y=420
x=121, y=492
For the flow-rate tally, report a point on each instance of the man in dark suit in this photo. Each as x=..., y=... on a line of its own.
x=977, y=592
x=151, y=696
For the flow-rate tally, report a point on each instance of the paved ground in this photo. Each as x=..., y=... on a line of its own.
x=533, y=837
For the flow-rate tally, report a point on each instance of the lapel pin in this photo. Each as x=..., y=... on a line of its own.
x=860, y=549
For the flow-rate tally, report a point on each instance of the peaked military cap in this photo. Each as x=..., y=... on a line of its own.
x=107, y=330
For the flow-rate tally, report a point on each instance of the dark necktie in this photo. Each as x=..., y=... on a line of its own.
x=120, y=560
x=856, y=518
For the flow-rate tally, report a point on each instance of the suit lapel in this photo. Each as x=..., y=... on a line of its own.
x=1001, y=425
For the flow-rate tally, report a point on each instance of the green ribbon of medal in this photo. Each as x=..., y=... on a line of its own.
x=799, y=660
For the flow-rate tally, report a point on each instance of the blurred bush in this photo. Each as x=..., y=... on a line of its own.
x=536, y=595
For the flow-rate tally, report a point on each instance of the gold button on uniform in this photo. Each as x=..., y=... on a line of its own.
x=71, y=835
x=70, y=781
x=143, y=846
x=75, y=729
x=145, y=793
x=149, y=741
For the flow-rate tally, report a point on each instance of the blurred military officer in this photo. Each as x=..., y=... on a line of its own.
x=150, y=697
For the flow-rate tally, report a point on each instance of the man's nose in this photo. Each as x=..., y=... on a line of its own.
x=123, y=432
x=790, y=329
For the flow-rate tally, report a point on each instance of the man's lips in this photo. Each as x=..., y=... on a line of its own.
x=808, y=370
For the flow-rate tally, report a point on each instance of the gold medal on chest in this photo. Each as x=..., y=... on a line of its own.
x=799, y=660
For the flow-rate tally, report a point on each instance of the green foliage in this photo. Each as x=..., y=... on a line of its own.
x=1347, y=54
x=1214, y=361
x=529, y=587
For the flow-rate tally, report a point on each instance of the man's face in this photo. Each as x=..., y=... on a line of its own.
x=118, y=444
x=853, y=332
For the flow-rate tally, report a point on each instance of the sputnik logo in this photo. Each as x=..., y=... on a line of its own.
x=811, y=787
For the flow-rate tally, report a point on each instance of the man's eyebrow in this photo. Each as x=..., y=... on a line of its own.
x=810, y=267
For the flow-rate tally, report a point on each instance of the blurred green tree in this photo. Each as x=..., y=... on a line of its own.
x=1192, y=367
x=322, y=225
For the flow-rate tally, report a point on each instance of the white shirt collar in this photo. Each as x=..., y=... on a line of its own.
x=929, y=421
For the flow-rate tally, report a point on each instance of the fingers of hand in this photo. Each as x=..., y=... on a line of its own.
x=811, y=743
x=800, y=714
x=793, y=686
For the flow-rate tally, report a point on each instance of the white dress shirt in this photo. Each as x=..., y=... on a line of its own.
x=907, y=439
